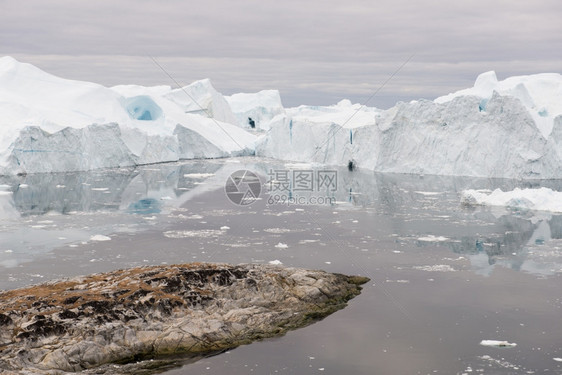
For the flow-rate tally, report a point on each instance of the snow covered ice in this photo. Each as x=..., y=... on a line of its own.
x=541, y=199
x=510, y=128
x=264, y=108
x=498, y=343
x=50, y=124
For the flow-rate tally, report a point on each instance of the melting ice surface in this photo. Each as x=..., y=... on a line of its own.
x=445, y=277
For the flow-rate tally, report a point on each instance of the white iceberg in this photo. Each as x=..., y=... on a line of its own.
x=541, y=199
x=498, y=343
x=100, y=237
x=510, y=128
x=51, y=124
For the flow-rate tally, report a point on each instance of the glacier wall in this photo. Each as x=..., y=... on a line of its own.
x=50, y=124
x=510, y=128
x=458, y=138
x=92, y=147
x=496, y=129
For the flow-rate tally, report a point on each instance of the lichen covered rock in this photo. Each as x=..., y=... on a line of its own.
x=160, y=312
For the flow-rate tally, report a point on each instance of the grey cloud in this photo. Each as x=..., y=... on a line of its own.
x=315, y=52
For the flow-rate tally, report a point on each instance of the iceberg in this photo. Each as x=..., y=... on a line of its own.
x=539, y=94
x=264, y=108
x=498, y=343
x=51, y=124
x=541, y=199
x=201, y=98
x=508, y=128
x=331, y=135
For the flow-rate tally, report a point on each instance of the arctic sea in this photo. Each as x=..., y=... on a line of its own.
x=444, y=277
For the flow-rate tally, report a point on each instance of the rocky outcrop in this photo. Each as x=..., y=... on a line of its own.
x=159, y=312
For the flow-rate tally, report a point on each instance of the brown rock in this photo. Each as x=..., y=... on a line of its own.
x=157, y=312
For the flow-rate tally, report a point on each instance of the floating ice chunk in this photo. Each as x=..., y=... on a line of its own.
x=275, y=262
x=498, y=343
x=100, y=237
x=401, y=281
x=204, y=233
x=428, y=193
x=557, y=359
x=303, y=242
x=224, y=227
x=278, y=230
x=541, y=199
x=100, y=189
x=198, y=175
x=435, y=268
x=282, y=245
x=432, y=238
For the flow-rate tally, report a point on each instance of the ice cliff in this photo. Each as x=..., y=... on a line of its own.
x=510, y=128
x=50, y=124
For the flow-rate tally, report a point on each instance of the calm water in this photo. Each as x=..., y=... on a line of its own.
x=443, y=277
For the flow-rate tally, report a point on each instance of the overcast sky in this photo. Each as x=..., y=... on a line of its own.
x=314, y=52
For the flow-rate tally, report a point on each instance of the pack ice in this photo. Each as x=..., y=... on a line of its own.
x=50, y=124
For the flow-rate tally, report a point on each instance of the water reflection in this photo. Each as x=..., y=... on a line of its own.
x=43, y=211
x=145, y=206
